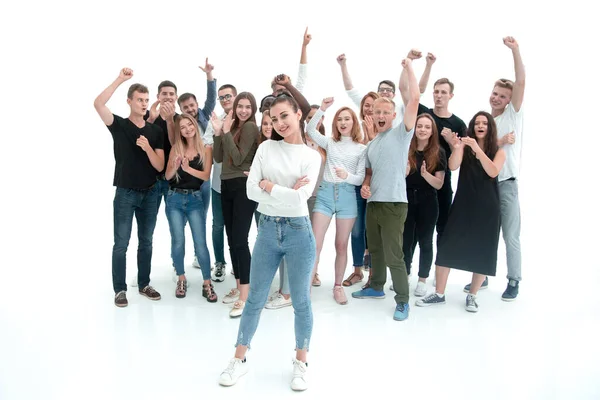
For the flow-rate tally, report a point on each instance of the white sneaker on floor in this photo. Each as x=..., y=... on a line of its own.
x=421, y=289
x=278, y=301
x=195, y=264
x=470, y=304
x=232, y=296
x=299, y=382
x=238, y=309
x=234, y=371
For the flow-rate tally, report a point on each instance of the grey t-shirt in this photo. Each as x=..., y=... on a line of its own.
x=387, y=156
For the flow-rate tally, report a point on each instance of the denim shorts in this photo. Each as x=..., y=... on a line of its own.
x=336, y=198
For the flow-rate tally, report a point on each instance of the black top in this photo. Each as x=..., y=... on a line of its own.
x=133, y=169
x=453, y=123
x=187, y=181
x=163, y=125
x=415, y=180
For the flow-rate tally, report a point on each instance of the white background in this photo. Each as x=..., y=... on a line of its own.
x=57, y=198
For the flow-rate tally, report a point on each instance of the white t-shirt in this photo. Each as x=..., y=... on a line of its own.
x=283, y=164
x=511, y=121
x=208, y=139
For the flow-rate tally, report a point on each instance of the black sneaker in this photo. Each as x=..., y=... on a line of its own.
x=121, y=299
x=219, y=275
x=512, y=291
x=150, y=293
x=484, y=285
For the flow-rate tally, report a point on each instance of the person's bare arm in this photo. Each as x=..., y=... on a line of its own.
x=412, y=107
x=429, y=60
x=519, y=87
x=100, y=102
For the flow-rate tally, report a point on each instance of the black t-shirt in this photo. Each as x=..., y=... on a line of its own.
x=453, y=123
x=187, y=181
x=133, y=169
x=415, y=180
x=163, y=125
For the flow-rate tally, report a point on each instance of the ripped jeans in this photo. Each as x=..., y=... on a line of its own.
x=293, y=238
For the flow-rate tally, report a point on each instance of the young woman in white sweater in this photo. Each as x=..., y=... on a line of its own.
x=344, y=170
x=281, y=179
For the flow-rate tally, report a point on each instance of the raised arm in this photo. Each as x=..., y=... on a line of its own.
x=302, y=69
x=248, y=137
x=304, y=105
x=311, y=128
x=412, y=107
x=413, y=54
x=429, y=60
x=211, y=90
x=100, y=102
x=519, y=87
x=341, y=59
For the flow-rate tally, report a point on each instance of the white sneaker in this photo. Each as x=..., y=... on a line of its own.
x=232, y=296
x=195, y=263
x=236, y=369
x=421, y=289
x=470, y=304
x=299, y=382
x=272, y=296
x=278, y=301
x=238, y=309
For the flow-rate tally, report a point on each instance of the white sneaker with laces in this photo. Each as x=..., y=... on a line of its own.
x=278, y=301
x=232, y=296
x=238, y=309
x=236, y=369
x=299, y=382
x=470, y=304
x=421, y=289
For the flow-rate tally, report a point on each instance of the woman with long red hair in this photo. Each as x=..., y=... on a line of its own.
x=344, y=170
x=425, y=176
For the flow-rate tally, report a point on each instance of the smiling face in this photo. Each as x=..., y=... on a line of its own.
x=139, y=103
x=386, y=90
x=383, y=115
x=267, y=125
x=424, y=128
x=187, y=128
x=226, y=98
x=481, y=127
x=344, y=123
x=285, y=121
x=367, y=108
x=190, y=106
x=243, y=110
x=500, y=98
x=167, y=94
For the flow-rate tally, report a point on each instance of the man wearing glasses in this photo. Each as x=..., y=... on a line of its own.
x=385, y=89
x=227, y=94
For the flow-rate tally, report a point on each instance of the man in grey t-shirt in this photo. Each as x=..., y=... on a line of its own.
x=385, y=190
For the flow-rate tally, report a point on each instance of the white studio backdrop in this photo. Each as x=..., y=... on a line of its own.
x=58, y=56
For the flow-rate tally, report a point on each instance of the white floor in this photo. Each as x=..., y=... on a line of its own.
x=62, y=337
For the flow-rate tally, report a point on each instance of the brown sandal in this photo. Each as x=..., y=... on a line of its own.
x=208, y=291
x=353, y=279
x=181, y=289
x=316, y=281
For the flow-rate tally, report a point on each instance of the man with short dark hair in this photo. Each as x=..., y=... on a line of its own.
x=139, y=156
x=189, y=105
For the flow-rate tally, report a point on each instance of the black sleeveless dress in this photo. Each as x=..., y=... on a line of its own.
x=470, y=240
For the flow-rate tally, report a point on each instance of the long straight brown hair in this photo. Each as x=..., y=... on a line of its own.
x=236, y=127
x=431, y=153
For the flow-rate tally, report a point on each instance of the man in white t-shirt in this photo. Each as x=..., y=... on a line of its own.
x=506, y=101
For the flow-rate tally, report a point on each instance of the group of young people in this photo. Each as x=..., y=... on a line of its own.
x=384, y=174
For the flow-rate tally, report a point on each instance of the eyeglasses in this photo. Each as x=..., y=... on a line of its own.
x=386, y=90
x=226, y=97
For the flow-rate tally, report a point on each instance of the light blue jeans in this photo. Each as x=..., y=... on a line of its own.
x=183, y=207
x=280, y=237
x=284, y=285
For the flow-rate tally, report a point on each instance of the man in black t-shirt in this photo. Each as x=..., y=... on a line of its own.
x=449, y=127
x=139, y=157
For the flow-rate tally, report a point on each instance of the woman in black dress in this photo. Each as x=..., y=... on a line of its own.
x=470, y=241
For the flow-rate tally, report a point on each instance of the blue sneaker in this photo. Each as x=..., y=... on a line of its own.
x=369, y=293
x=401, y=312
x=484, y=285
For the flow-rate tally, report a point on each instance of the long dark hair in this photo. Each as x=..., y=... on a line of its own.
x=285, y=98
x=431, y=152
x=490, y=142
x=237, y=125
